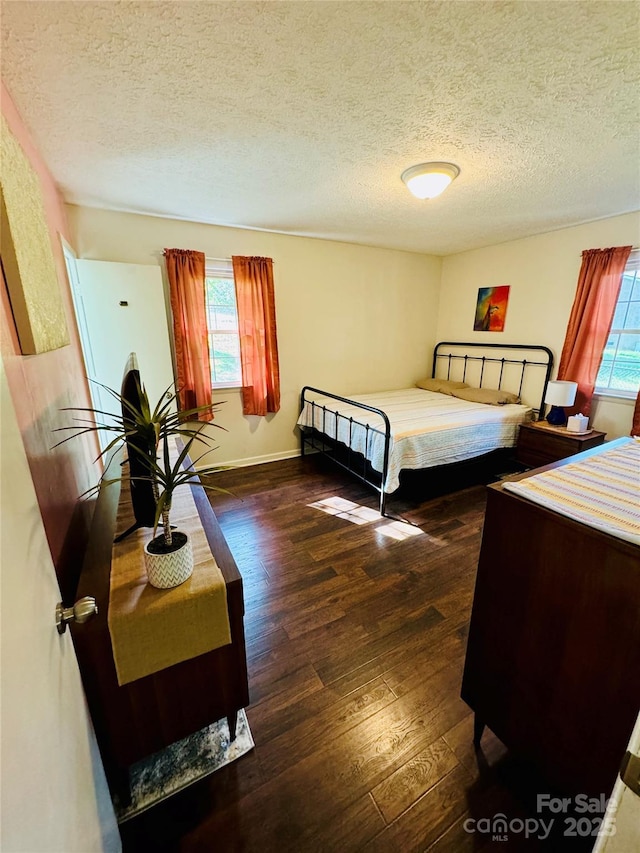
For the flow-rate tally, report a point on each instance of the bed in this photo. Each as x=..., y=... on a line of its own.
x=376, y=436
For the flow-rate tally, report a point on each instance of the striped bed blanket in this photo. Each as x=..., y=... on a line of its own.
x=601, y=491
x=427, y=428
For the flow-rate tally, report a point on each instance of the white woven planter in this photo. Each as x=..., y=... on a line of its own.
x=167, y=570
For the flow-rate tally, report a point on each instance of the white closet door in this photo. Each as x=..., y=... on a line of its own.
x=122, y=309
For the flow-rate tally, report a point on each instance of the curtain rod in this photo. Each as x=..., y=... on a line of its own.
x=219, y=260
x=633, y=249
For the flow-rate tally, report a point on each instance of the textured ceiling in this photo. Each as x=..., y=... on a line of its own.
x=300, y=116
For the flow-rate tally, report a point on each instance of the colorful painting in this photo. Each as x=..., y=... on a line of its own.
x=491, y=309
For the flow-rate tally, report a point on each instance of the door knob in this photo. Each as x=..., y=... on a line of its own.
x=82, y=610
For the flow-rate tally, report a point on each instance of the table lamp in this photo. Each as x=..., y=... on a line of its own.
x=559, y=394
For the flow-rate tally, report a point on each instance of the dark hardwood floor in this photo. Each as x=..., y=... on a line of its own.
x=355, y=644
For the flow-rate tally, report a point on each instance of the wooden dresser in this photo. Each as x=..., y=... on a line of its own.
x=553, y=654
x=137, y=719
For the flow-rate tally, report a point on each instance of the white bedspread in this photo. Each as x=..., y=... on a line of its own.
x=427, y=428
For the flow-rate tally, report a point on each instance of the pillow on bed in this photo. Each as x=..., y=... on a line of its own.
x=444, y=386
x=486, y=395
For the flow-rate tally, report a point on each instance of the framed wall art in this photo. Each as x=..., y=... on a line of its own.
x=491, y=309
x=27, y=254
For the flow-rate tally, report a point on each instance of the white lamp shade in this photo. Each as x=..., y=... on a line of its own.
x=561, y=393
x=428, y=180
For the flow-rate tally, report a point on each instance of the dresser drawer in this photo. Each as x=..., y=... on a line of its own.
x=540, y=445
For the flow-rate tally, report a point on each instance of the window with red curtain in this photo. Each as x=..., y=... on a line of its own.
x=222, y=322
x=590, y=320
x=619, y=373
x=186, y=272
x=258, y=338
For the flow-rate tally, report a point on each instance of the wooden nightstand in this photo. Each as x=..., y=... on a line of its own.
x=539, y=443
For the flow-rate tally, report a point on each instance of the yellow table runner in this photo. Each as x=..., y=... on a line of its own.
x=155, y=628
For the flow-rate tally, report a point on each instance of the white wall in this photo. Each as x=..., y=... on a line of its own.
x=542, y=272
x=350, y=318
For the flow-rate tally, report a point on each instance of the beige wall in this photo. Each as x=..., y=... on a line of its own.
x=542, y=272
x=354, y=319
x=350, y=318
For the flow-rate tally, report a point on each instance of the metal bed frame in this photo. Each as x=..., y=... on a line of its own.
x=342, y=454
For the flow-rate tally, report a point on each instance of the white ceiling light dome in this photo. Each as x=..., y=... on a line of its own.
x=428, y=180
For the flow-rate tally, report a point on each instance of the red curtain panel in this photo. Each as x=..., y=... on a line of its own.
x=186, y=272
x=595, y=301
x=258, y=340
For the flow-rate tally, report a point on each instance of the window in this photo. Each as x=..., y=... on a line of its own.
x=222, y=322
x=619, y=373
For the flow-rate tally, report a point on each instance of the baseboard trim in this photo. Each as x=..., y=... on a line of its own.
x=258, y=460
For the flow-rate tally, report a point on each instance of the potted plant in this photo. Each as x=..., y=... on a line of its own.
x=168, y=557
x=148, y=434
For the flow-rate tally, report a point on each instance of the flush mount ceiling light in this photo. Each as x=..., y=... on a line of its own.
x=427, y=180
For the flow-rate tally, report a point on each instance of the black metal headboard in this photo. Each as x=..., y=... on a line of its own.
x=496, y=369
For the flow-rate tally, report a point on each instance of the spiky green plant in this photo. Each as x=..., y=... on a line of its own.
x=149, y=432
x=146, y=426
x=167, y=476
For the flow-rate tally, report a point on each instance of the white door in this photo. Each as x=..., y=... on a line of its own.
x=621, y=827
x=54, y=794
x=121, y=309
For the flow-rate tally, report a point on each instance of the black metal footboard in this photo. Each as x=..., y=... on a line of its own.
x=521, y=368
x=328, y=429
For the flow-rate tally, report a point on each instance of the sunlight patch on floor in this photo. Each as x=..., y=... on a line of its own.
x=358, y=514
x=399, y=530
x=348, y=510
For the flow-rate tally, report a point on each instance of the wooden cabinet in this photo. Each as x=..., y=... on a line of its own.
x=553, y=653
x=539, y=444
x=137, y=719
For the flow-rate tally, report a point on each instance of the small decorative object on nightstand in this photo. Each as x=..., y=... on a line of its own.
x=578, y=423
x=540, y=443
x=559, y=394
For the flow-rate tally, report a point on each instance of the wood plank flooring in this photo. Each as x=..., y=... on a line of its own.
x=355, y=645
